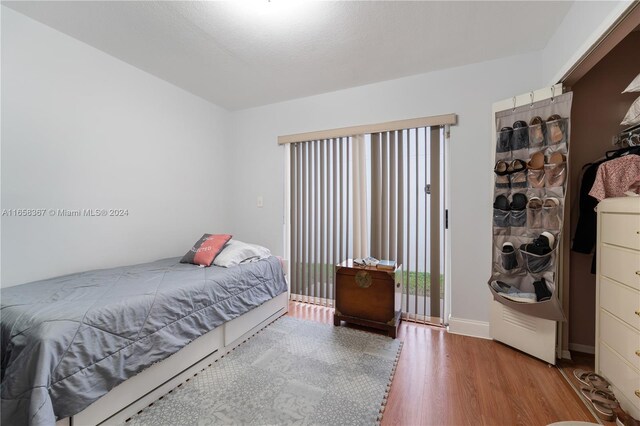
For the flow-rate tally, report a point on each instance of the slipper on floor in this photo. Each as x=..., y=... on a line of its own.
x=589, y=378
x=602, y=401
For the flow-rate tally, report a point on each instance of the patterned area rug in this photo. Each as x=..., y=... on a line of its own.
x=291, y=372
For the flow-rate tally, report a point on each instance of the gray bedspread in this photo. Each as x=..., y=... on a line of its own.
x=67, y=341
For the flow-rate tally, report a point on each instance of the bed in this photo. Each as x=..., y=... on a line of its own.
x=68, y=341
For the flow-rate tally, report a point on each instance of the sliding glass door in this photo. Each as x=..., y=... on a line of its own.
x=377, y=194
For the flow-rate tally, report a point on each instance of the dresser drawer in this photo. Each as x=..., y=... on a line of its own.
x=621, y=301
x=621, y=338
x=621, y=229
x=620, y=264
x=625, y=378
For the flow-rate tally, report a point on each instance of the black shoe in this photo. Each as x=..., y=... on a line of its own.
x=501, y=203
x=509, y=260
x=542, y=291
x=541, y=245
x=504, y=139
x=520, y=138
x=519, y=201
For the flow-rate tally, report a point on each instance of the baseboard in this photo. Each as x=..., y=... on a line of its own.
x=582, y=348
x=467, y=327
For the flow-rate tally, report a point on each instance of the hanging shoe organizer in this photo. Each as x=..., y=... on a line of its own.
x=532, y=149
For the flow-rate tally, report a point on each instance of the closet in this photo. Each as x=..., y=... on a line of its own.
x=597, y=111
x=603, y=303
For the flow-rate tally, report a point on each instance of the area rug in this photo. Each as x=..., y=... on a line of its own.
x=291, y=372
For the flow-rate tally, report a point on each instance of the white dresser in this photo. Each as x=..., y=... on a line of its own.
x=618, y=299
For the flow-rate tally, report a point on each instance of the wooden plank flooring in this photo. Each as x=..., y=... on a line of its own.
x=447, y=379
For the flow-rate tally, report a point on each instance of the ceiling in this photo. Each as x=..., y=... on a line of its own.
x=240, y=54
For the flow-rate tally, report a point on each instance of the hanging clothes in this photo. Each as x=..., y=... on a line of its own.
x=617, y=176
x=585, y=236
x=611, y=177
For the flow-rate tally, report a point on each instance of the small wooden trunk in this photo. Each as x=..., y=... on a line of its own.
x=367, y=296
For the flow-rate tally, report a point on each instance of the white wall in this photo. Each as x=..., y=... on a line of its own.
x=81, y=129
x=468, y=91
x=582, y=26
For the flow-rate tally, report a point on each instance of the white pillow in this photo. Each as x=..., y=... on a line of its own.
x=237, y=252
x=633, y=115
x=634, y=86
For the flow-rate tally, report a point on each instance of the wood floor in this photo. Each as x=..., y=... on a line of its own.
x=447, y=379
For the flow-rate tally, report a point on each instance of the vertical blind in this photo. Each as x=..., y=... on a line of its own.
x=369, y=195
x=320, y=215
x=405, y=213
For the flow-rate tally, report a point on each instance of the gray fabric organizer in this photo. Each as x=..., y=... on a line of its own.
x=517, y=227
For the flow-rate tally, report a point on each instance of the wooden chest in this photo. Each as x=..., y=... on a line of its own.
x=367, y=296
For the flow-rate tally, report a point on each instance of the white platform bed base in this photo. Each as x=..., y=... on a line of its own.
x=138, y=392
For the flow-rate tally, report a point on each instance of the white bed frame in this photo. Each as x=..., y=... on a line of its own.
x=136, y=393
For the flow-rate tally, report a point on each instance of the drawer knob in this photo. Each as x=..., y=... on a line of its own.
x=637, y=393
x=638, y=313
x=638, y=352
x=638, y=273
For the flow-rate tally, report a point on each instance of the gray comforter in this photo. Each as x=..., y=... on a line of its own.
x=67, y=341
